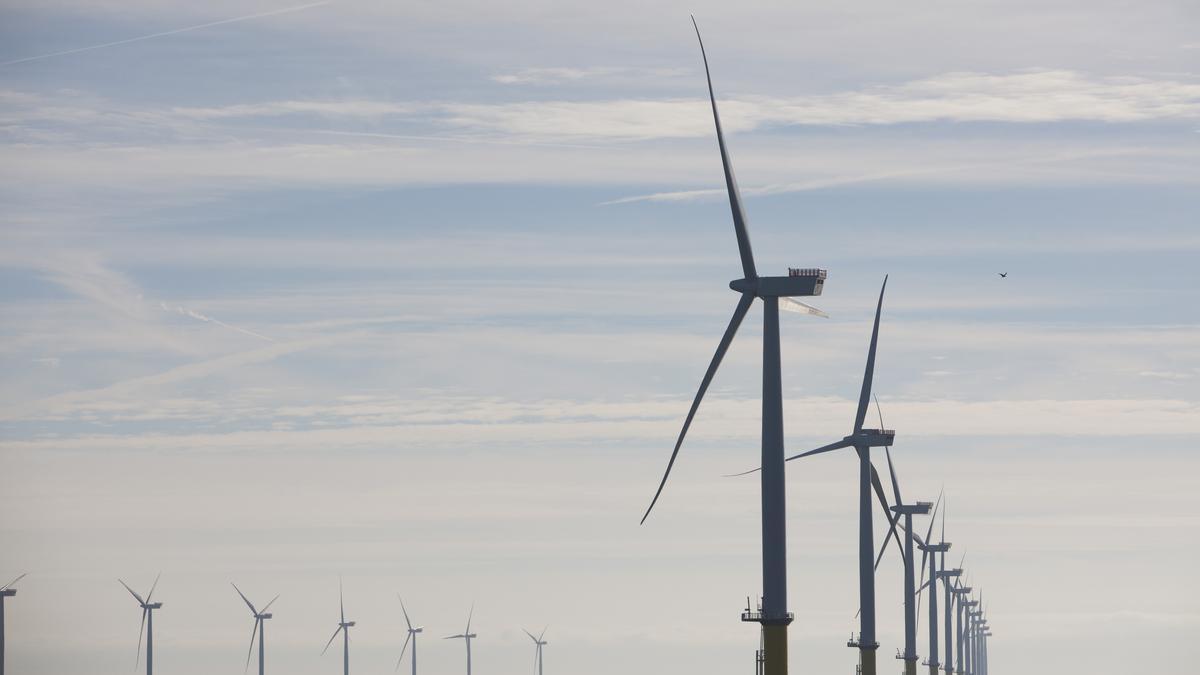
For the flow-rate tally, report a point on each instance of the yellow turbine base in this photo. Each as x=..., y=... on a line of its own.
x=775, y=650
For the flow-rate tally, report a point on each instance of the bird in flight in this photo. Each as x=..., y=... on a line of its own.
x=1003, y=275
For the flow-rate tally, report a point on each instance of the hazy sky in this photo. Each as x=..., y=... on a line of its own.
x=418, y=294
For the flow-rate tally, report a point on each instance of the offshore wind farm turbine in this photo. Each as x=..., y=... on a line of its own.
x=344, y=627
x=466, y=636
x=774, y=616
x=7, y=591
x=929, y=553
x=537, y=655
x=862, y=440
x=412, y=636
x=148, y=607
x=260, y=628
x=910, y=600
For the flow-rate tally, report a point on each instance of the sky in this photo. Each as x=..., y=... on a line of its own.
x=416, y=296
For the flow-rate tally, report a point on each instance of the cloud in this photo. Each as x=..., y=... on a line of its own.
x=550, y=76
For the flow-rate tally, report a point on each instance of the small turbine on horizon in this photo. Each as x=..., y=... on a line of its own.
x=412, y=636
x=343, y=628
x=6, y=591
x=260, y=627
x=466, y=636
x=537, y=654
x=148, y=607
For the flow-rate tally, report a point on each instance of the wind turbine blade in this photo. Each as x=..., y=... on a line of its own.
x=933, y=518
x=824, y=448
x=531, y=637
x=536, y=653
x=402, y=609
x=924, y=586
x=245, y=599
x=152, y=587
x=141, y=631
x=250, y=651
x=796, y=307
x=9, y=584
x=739, y=313
x=469, y=615
x=403, y=649
x=864, y=397
x=887, y=510
x=735, y=197
x=892, y=470
x=268, y=606
x=335, y=634
x=452, y=637
x=543, y=633
x=133, y=592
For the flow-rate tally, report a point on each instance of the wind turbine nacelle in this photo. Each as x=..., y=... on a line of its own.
x=265, y=616
x=798, y=282
x=156, y=605
x=418, y=629
x=470, y=636
x=8, y=592
x=875, y=438
x=937, y=548
x=348, y=624
x=918, y=509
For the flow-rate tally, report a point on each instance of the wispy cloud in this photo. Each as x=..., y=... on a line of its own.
x=560, y=75
x=166, y=33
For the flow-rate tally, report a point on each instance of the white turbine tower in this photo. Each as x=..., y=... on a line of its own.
x=260, y=628
x=148, y=608
x=412, y=637
x=7, y=591
x=537, y=654
x=466, y=636
x=343, y=628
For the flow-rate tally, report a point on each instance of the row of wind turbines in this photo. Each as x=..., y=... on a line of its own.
x=148, y=606
x=780, y=292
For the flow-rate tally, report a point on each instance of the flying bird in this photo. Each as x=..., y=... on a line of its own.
x=1003, y=275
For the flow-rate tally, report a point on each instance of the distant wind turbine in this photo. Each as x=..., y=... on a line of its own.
x=537, y=654
x=6, y=591
x=148, y=607
x=343, y=628
x=260, y=628
x=773, y=291
x=466, y=636
x=910, y=600
x=412, y=636
x=862, y=440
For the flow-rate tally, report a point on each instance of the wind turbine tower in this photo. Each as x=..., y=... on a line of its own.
x=260, y=628
x=968, y=636
x=862, y=440
x=910, y=593
x=6, y=591
x=537, y=654
x=945, y=576
x=148, y=607
x=774, y=616
x=929, y=552
x=961, y=593
x=344, y=627
x=466, y=636
x=412, y=636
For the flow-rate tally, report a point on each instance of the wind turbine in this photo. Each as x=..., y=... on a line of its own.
x=774, y=616
x=148, y=608
x=929, y=552
x=412, y=636
x=862, y=440
x=910, y=605
x=537, y=655
x=467, y=636
x=961, y=593
x=260, y=628
x=343, y=628
x=6, y=591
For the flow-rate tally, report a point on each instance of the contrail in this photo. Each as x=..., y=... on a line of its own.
x=165, y=33
x=208, y=319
